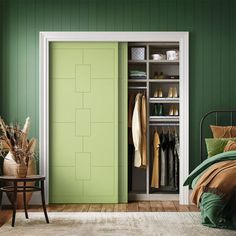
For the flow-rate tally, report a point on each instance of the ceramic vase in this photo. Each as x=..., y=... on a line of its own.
x=11, y=168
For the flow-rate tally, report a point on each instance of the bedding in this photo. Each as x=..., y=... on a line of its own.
x=214, y=190
x=223, y=131
x=216, y=145
x=230, y=146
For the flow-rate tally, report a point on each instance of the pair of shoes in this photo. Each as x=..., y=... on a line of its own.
x=172, y=93
x=174, y=111
x=158, y=93
x=159, y=76
x=158, y=110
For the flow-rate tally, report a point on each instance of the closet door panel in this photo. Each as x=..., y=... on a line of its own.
x=83, y=123
x=100, y=99
x=123, y=122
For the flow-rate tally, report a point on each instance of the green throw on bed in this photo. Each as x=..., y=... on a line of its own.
x=215, y=210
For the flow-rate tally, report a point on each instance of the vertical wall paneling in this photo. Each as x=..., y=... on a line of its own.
x=31, y=66
x=3, y=59
x=57, y=15
x=110, y=21
x=231, y=80
x=225, y=52
x=83, y=15
x=92, y=16
x=13, y=62
x=74, y=16
x=212, y=35
x=22, y=63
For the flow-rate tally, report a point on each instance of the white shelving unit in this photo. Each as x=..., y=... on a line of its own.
x=169, y=68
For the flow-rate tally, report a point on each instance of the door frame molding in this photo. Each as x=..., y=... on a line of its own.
x=46, y=37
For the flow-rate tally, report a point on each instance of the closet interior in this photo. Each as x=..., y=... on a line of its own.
x=153, y=120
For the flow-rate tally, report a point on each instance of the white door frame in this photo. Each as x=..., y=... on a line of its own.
x=181, y=37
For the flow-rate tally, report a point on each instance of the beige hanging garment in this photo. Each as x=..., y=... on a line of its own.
x=155, y=170
x=144, y=130
x=136, y=131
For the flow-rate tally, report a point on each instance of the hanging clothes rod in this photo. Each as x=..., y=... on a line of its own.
x=163, y=124
x=137, y=87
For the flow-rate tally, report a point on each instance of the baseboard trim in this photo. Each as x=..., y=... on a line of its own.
x=36, y=198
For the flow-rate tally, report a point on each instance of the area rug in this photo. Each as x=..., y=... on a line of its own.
x=115, y=224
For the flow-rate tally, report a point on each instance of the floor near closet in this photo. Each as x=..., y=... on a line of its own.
x=153, y=206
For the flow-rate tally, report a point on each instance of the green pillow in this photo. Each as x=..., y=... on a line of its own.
x=216, y=145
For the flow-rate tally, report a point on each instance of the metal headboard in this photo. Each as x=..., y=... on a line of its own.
x=216, y=112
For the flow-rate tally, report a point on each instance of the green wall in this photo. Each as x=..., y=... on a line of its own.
x=212, y=46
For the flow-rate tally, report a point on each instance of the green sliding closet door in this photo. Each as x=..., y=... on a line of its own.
x=83, y=123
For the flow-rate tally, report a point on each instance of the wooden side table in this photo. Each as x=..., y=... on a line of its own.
x=23, y=189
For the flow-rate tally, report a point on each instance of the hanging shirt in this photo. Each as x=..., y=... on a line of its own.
x=155, y=170
x=136, y=131
x=171, y=161
x=163, y=159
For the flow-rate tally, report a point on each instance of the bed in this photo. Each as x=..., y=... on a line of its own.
x=214, y=180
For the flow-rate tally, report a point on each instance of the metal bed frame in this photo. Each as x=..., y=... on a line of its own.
x=216, y=112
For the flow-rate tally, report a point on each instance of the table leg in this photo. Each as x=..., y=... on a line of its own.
x=14, y=203
x=43, y=201
x=1, y=199
x=25, y=205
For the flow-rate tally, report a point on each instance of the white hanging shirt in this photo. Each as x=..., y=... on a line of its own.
x=136, y=131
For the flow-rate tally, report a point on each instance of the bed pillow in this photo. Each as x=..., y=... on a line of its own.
x=223, y=131
x=216, y=145
x=230, y=146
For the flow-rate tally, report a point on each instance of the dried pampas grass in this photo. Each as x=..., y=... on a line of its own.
x=15, y=140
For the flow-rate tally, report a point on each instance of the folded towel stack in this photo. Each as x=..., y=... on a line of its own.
x=137, y=74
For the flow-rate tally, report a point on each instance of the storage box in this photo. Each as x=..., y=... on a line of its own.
x=138, y=53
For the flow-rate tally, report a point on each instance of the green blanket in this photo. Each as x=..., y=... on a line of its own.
x=215, y=211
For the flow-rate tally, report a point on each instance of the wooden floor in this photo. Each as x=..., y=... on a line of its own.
x=152, y=206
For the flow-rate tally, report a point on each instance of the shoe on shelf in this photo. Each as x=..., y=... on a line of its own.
x=155, y=110
x=175, y=92
x=170, y=93
x=176, y=111
x=171, y=111
x=161, y=76
x=160, y=93
x=155, y=75
x=156, y=93
x=161, y=110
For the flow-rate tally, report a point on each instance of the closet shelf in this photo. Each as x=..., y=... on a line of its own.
x=164, y=62
x=164, y=100
x=164, y=124
x=137, y=80
x=164, y=80
x=164, y=118
x=137, y=87
x=137, y=61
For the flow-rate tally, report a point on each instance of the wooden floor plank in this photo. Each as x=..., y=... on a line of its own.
x=95, y=208
x=132, y=207
x=156, y=206
x=168, y=206
x=5, y=216
x=56, y=207
x=193, y=208
x=107, y=208
x=82, y=207
x=120, y=207
x=180, y=208
x=144, y=206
